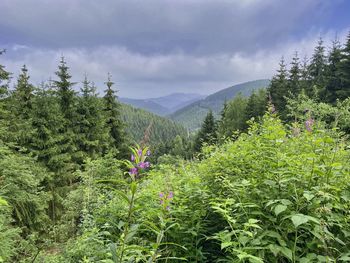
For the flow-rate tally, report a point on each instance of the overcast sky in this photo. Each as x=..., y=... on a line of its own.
x=157, y=47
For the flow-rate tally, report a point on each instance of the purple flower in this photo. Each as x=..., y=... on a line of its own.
x=148, y=153
x=132, y=158
x=308, y=124
x=161, y=194
x=170, y=195
x=168, y=208
x=139, y=152
x=143, y=165
x=133, y=170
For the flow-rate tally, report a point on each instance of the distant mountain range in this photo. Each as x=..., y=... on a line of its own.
x=192, y=115
x=164, y=105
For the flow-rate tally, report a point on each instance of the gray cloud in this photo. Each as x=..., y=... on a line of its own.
x=158, y=26
x=156, y=47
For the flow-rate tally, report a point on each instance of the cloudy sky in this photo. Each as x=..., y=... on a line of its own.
x=157, y=47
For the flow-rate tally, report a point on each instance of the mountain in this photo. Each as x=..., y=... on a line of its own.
x=147, y=105
x=163, y=105
x=191, y=116
x=162, y=129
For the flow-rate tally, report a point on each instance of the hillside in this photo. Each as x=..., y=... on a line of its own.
x=137, y=121
x=164, y=105
x=147, y=105
x=192, y=115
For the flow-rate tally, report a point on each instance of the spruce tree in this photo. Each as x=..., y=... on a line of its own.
x=64, y=89
x=24, y=93
x=256, y=105
x=21, y=107
x=112, y=115
x=4, y=113
x=67, y=102
x=278, y=88
x=333, y=74
x=304, y=75
x=294, y=76
x=317, y=69
x=207, y=133
x=235, y=117
x=92, y=133
x=345, y=71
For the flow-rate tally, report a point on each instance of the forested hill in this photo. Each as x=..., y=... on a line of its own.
x=164, y=105
x=192, y=115
x=161, y=129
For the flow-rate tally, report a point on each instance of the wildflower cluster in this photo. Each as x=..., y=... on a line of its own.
x=165, y=199
x=138, y=160
x=309, y=123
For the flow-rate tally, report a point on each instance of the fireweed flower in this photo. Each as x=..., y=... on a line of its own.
x=133, y=171
x=308, y=124
x=132, y=158
x=139, y=152
x=148, y=153
x=165, y=200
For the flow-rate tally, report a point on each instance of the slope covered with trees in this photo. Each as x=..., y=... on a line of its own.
x=192, y=115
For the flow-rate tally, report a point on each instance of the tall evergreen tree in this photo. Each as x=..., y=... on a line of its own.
x=24, y=93
x=64, y=88
x=235, y=117
x=92, y=133
x=112, y=114
x=67, y=102
x=207, y=133
x=345, y=71
x=294, y=76
x=21, y=107
x=317, y=69
x=333, y=74
x=256, y=105
x=304, y=75
x=4, y=113
x=278, y=88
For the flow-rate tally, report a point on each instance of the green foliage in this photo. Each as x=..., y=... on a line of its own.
x=207, y=133
x=112, y=114
x=235, y=115
x=283, y=196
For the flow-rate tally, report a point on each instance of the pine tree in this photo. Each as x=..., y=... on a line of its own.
x=207, y=133
x=67, y=102
x=4, y=113
x=345, y=71
x=92, y=133
x=24, y=93
x=317, y=69
x=278, y=89
x=304, y=75
x=21, y=107
x=112, y=114
x=294, y=76
x=235, y=117
x=65, y=90
x=256, y=105
x=332, y=74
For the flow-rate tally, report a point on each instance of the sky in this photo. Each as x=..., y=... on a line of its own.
x=158, y=47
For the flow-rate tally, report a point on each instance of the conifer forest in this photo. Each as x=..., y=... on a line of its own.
x=85, y=177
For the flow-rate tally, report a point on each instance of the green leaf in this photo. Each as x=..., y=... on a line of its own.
x=287, y=252
x=299, y=219
x=279, y=209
